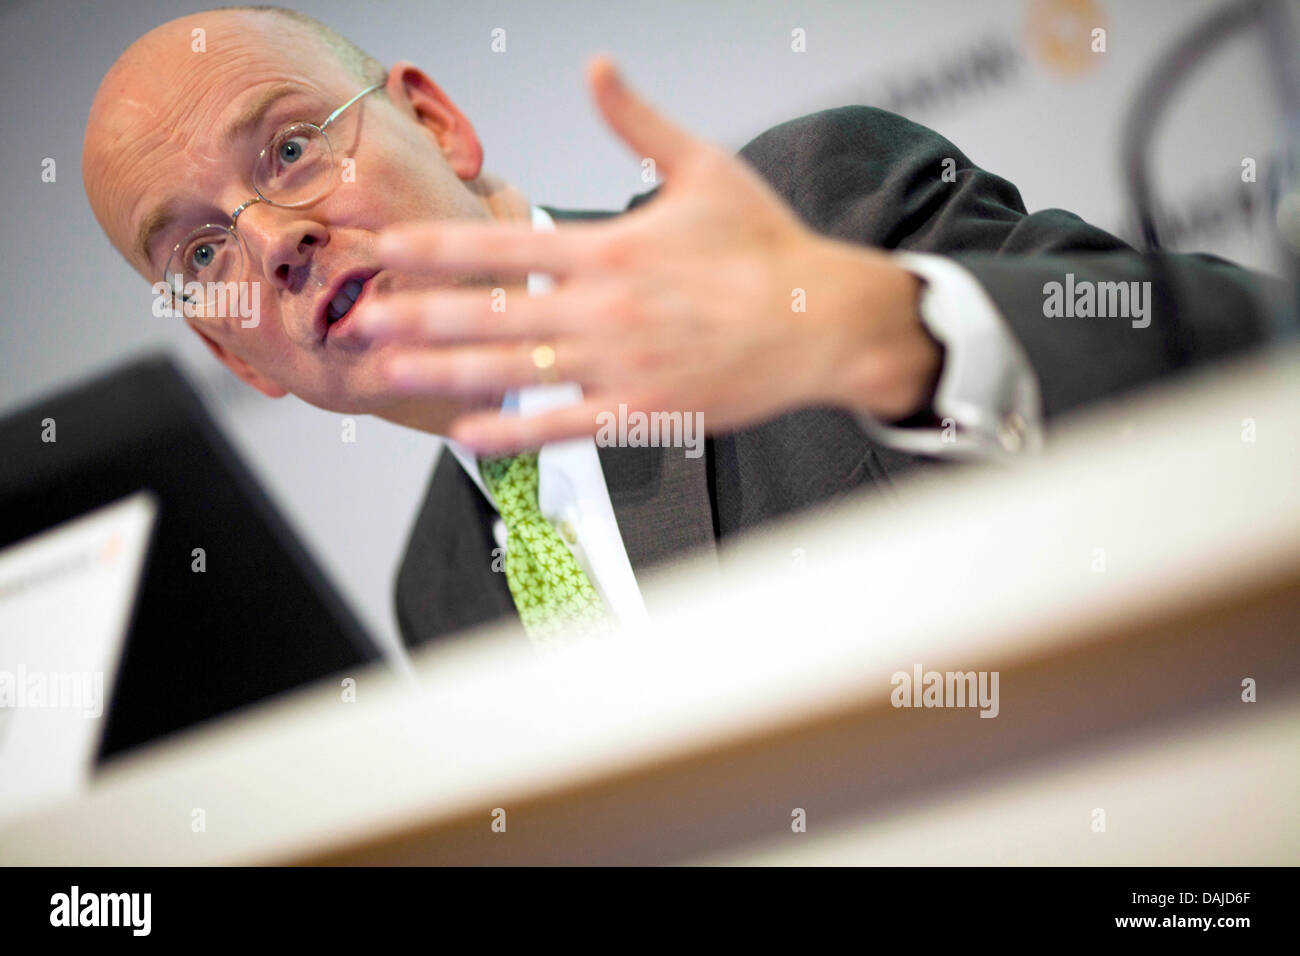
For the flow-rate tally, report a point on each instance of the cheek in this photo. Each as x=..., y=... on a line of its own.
x=262, y=345
x=409, y=182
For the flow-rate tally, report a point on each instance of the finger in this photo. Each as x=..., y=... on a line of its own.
x=457, y=246
x=477, y=370
x=492, y=433
x=636, y=122
x=466, y=315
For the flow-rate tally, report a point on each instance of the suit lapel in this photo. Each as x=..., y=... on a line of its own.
x=661, y=502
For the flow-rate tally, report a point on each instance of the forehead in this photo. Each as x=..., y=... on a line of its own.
x=157, y=135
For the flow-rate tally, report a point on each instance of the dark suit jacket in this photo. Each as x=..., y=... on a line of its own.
x=870, y=177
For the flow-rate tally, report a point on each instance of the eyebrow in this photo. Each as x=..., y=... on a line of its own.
x=163, y=215
x=161, y=218
x=252, y=117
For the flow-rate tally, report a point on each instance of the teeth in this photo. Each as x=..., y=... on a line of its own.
x=340, y=304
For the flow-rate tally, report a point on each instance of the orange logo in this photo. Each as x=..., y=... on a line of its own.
x=1061, y=33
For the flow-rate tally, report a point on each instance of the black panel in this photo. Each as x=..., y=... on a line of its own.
x=261, y=620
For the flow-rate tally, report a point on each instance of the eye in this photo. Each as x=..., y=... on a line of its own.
x=201, y=256
x=291, y=150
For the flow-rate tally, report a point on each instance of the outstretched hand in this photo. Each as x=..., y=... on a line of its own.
x=712, y=298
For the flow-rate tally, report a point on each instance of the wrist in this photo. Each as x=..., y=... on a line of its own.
x=888, y=363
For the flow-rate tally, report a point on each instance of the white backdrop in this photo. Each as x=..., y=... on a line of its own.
x=991, y=76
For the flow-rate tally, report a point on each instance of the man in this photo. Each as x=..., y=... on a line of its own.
x=282, y=155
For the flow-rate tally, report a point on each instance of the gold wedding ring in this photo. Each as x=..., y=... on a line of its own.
x=544, y=362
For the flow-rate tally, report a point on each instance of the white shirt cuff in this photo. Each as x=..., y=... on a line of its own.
x=987, y=397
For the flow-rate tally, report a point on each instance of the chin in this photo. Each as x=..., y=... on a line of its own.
x=343, y=404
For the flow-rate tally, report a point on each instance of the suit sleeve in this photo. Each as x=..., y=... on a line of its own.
x=869, y=176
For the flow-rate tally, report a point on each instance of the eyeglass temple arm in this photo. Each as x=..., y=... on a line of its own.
x=338, y=112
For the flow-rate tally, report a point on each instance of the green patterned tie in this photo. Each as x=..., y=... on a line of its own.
x=553, y=595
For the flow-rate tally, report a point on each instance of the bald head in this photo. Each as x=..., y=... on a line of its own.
x=159, y=81
x=365, y=69
x=175, y=132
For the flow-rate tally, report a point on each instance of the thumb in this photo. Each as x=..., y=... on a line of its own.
x=637, y=123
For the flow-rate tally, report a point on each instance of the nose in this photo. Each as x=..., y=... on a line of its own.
x=283, y=246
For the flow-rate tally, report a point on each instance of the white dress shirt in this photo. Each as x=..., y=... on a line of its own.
x=571, y=488
x=987, y=395
x=986, y=390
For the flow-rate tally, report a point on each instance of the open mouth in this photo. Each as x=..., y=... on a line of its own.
x=342, y=303
x=340, y=306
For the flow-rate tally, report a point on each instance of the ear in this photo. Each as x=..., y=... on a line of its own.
x=241, y=368
x=438, y=115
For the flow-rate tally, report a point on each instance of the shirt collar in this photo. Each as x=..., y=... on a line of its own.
x=538, y=284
